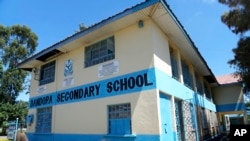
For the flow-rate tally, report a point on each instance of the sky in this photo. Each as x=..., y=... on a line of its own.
x=54, y=20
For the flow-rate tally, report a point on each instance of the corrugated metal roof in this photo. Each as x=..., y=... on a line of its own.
x=227, y=79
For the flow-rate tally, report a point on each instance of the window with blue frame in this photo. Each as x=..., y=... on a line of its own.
x=174, y=65
x=187, y=76
x=100, y=52
x=44, y=119
x=47, y=73
x=119, y=119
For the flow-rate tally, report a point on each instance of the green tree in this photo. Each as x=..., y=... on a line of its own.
x=238, y=21
x=9, y=112
x=16, y=44
x=248, y=104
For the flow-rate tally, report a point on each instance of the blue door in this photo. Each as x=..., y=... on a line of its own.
x=166, y=118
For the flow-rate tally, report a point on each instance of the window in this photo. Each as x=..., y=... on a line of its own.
x=187, y=77
x=207, y=91
x=198, y=85
x=100, y=52
x=47, y=73
x=119, y=119
x=174, y=65
x=43, y=122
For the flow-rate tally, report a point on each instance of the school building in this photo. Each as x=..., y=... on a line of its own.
x=229, y=100
x=135, y=76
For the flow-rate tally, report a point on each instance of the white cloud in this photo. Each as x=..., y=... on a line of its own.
x=208, y=1
x=198, y=13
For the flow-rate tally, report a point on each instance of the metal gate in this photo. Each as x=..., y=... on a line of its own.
x=189, y=121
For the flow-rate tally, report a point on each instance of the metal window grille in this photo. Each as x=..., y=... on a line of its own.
x=119, y=119
x=189, y=121
x=44, y=119
x=47, y=73
x=100, y=52
x=198, y=85
x=174, y=65
x=207, y=92
x=187, y=76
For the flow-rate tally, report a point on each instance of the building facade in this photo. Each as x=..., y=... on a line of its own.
x=229, y=100
x=136, y=76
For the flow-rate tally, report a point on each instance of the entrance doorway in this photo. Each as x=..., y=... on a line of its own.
x=166, y=118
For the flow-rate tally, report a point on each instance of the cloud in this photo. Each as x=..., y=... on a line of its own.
x=198, y=13
x=209, y=1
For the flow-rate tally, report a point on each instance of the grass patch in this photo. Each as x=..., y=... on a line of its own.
x=4, y=140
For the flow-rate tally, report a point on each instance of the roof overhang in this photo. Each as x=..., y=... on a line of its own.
x=168, y=22
x=157, y=10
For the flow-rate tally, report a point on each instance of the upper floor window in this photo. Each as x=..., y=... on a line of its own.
x=100, y=52
x=174, y=65
x=119, y=119
x=47, y=73
x=44, y=118
x=187, y=76
x=207, y=91
x=198, y=85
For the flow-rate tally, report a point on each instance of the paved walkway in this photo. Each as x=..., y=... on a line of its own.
x=222, y=137
x=3, y=137
x=219, y=138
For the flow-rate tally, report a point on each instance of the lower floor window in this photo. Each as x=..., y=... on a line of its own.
x=119, y=119
x=44, y=118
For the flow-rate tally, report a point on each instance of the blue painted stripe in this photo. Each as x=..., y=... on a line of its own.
x=91, y=137
x=203, y=102
x=155, y=79
x=231, y=107
x=124, y=84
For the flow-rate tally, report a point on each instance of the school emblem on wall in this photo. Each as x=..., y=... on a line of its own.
x=68, y=67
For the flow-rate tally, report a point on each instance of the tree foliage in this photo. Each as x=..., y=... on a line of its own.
x=12, y=111
x=9, y=112
x=238, y=21
x=16, y=44
x=248, y=104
